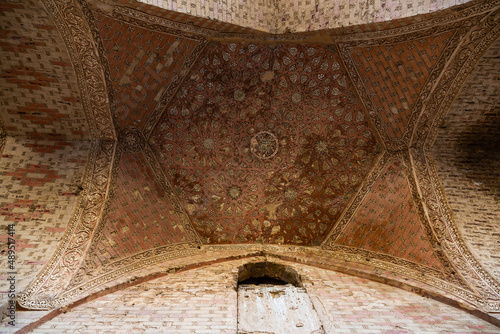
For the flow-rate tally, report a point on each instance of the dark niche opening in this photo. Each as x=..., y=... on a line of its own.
x=268, y=273
x=263, y=280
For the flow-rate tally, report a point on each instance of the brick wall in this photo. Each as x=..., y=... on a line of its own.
x=356, y=305
x=299, y=15
x=196, y=301
x=39, y=90
x=279, y=16
x=204, y=301
x=467, y=157
x=38, y=192
x=252, y=14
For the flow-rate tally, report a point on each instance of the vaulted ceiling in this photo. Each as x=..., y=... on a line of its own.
x=208, y=141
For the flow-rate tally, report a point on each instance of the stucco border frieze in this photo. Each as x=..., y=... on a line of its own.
x=72, y=25
x=68, y=256
x=473, y=45
x=442, y=222
x=403, y=142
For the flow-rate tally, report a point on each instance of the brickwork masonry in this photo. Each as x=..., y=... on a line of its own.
x=204, y=300
x=281, y=16
x=39, y=89
x=467, y=158
x=39, y=186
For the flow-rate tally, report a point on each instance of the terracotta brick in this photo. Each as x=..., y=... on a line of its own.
x=33, y=93
x=204, y=300
x=140, y=217
x=134, y=54
x=34, y=189
x=467, y=159
x=204, y=144
x=389, y=71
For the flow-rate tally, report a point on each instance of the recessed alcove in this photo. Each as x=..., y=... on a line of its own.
x=271, y=299
x=261, y=272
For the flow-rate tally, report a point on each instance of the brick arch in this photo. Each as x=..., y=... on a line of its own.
x=146, y=261
x=270, y=269
x=280, y=256
x=287, y=16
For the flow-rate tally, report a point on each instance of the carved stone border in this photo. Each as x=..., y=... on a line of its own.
x=146, y=21
x=121, y=268
x=56, y=274
x=168, y=95
x=159, y=21
x=102, y=58
x=474, y=45
x=470, y=9
x=87, y=275
x=3, y=136
x=173, y=199
x=444, y=227
x=159, y=260
x=71, y=23
x=276, y=254
x=450, y=15
x=450, y=270
x=54, y=277
x=48, y=289
x=384, y=267
x=355, y=203
x=402, y=264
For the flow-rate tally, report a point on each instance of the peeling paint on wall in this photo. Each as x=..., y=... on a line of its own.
x=277, y=309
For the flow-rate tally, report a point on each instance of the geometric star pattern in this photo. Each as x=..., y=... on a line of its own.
x=298, y=95
x=210, y=145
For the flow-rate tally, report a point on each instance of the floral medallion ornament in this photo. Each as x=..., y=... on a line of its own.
x=264, y=145
x=132, y=140
x=234, y=192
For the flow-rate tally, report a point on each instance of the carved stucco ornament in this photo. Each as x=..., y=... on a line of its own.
x=71, y=23
x=264, y=145
x=51, y=287
x=132, y=140
x=43, y=292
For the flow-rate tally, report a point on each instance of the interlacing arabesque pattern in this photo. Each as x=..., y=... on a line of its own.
x=245, y=104
x=70, y=21
x=300, y=95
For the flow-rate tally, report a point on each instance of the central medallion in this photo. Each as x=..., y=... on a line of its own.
x=209, y=144
x=132, y=140
x=264, y=145
x=321, y=147
x=234, y=192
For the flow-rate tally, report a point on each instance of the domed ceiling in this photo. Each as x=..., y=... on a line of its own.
x=219, y=143
x=265, y=144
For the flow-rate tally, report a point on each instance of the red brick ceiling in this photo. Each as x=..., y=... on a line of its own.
x=140, y=215
x=387, y=221
x=143, y=64
x=227, y=140
x=298, y=96
x=394, y=76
